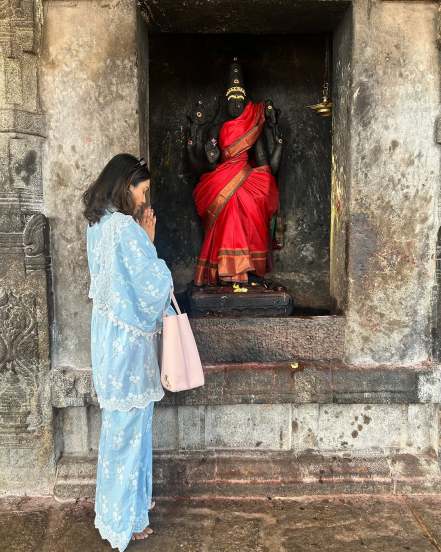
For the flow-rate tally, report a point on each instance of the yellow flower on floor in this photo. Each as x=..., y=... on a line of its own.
x=238, y=289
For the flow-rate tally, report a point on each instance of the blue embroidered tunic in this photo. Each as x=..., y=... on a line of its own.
x=130, y=288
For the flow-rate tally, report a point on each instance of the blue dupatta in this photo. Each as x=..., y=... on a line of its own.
x=130, y=288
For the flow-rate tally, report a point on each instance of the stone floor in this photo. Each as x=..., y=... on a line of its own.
x=339, y=523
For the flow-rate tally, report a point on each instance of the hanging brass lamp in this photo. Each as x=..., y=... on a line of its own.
x=324, y=108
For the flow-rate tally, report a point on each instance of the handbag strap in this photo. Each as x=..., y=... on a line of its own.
x=175, y=303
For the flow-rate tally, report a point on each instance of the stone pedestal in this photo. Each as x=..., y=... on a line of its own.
x=223, y=301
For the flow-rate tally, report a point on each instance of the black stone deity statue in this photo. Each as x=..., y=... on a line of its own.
x=237, y=198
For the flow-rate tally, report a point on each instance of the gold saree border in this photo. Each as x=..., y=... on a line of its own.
x=233, y=266
x=245, y=142
x=222, y=198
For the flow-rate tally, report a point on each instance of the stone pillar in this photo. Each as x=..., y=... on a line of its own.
x=26, y=441
x=394, y=182
x=89, y=89
x=436, y=306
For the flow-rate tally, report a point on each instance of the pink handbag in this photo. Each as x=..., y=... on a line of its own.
x=181, y=366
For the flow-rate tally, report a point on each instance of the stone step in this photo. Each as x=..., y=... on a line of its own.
x=269, y=339
x=265, y=474
x=297, y=381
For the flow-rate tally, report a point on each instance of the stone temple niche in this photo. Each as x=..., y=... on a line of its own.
x=281, y=46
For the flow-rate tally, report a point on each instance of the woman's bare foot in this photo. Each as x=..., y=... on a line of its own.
x=147, y=531
x=142, y=534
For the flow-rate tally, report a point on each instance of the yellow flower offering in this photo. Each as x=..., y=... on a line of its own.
x=238, y=289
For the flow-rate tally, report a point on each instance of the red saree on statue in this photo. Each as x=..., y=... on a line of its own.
x=236, y=202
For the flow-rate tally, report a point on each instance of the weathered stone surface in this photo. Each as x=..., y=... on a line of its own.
x=191, y=427
x=269, y=339
x=426, y=511
x=262, y=426
x=394, y=182
x=26, y=438
x=165, y=428
x=72, y=388
x=336, y=524
x=90, y=95
x=247, y=17
x=375, y=385
x=384, y=217
x=368, y=429
x=298, y=382
x=341, y=160
x=75, y=430
x=266, y=474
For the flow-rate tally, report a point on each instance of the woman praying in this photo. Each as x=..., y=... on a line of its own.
x=130, y=288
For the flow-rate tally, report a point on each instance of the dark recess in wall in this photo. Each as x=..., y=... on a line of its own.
x=288, y=69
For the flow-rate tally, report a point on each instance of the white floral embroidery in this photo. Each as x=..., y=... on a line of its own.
x=130, y=288
x=118, y=440
x=116, y=514
x=133, y=480
x=120, y=472
x=106, y=424
x=117, y=347
x=132, y=400
x=120, y=539
x=106, y=468
x=104, y=504
x=134, y=379
x=134, y=442
x=115, y=383
x=124, y=325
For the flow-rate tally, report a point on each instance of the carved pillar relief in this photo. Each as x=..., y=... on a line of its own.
x=25, y=411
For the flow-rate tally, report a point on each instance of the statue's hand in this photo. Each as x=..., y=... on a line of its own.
x=270, y=113
x=212, y=151
x=198, y=115
x=277, y=133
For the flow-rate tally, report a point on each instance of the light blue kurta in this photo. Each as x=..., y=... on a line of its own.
x=130, y=288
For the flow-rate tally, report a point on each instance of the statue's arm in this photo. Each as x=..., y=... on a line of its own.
x=193, y=146
x=193, y=158
x=273, y=135
x=276, y=154
x=260, y=152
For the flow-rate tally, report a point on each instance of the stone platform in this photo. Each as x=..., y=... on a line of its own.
x=334, y=524
x=275, y=429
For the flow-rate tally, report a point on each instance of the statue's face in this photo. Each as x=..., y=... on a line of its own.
x=235, y=107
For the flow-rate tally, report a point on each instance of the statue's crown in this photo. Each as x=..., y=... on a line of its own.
x=236, y=89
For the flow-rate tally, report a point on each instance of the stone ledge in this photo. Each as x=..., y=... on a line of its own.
x=297, y=382
x=239, y=340
x=275, y=474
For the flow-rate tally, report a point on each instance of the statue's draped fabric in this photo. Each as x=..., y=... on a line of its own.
x=130, y=288
x=236, y=202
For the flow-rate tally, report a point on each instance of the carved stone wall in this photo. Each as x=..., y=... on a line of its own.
x=89, y=72
x=26, y=449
